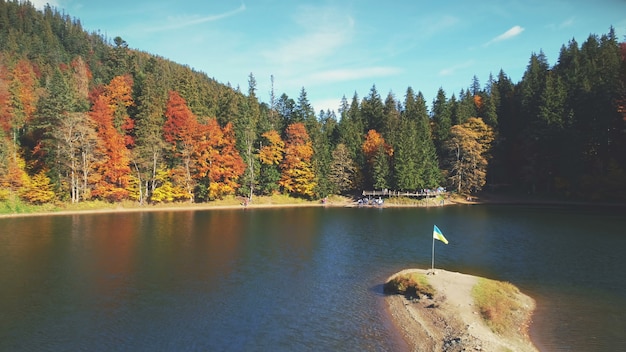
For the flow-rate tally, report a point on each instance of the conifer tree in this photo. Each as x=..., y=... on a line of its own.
x=372, y=111
x=442, y=120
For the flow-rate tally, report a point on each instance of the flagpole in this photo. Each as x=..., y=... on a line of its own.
x=432, y=266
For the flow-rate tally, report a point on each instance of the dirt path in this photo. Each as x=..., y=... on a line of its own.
x=450, y=321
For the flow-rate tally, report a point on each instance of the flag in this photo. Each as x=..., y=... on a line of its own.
x=438, y=235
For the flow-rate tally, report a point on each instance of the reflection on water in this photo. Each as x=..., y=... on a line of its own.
x=295, y=279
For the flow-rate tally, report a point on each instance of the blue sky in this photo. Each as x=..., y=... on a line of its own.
x=337, y=48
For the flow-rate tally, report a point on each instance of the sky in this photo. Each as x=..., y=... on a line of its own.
x=334, y=49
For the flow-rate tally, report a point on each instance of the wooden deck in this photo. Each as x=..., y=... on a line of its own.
x=417, y=194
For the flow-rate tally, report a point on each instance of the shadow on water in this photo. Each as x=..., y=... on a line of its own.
x=378, y=290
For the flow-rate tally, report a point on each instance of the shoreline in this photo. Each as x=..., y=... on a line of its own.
x=449, y=321
x=342, y=202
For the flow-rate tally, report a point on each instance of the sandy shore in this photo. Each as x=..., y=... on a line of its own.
x=178, y=207
x=450, y=321
x=339, y=202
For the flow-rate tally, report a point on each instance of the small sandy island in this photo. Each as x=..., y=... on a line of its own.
x=450, y=320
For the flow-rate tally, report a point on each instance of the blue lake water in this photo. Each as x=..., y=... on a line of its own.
x=295, y=279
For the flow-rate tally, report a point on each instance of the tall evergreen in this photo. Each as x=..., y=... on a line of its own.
x=372, y=111
x=442, y=120
x=406, y=150
x=427, y=160
x=246, y=136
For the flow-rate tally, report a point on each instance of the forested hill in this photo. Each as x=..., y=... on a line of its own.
x=85, y=117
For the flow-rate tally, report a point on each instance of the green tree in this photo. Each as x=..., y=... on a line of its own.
x=442, y=120
x=246, y=133
x=465, y=108
x=271, y=156
x=372, y=110
x=147, y=155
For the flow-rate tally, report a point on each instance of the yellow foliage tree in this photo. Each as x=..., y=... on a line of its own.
x=168, y=191
x=298, y=176
x=469, y=146
x=39, y=189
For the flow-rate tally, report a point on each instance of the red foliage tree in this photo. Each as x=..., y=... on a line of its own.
x=181, y=130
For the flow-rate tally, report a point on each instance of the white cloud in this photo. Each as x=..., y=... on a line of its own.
x=180, y=22
x=324, y=31
x=341, y=75
x=567, y=23
x=511, y=33
x=433, y=26
x=448, y=71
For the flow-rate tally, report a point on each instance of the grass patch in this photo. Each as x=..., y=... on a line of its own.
x=415, y=201
x=14, y=205
x=411, y=285
x=498, y=304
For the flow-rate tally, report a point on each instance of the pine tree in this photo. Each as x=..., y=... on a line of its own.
x=246, y=133
x=372, y=110
x=442, y=120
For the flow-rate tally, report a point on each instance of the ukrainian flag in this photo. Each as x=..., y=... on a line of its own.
x=438, y=235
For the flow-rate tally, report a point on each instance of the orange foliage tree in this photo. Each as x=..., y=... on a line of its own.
x=374, y=142
x=377, y=153
x=181, y=132
x=207, y=152
x=23, y=88
x=298, y=176
x=218, y=159
x=113, y=173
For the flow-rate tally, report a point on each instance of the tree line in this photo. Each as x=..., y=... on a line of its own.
x=85, y=117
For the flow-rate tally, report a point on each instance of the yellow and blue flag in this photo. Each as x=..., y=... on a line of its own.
x=438, y=235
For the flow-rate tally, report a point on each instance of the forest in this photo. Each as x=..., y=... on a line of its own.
x=84, y=117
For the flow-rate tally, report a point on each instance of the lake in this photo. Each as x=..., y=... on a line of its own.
x=296, y=279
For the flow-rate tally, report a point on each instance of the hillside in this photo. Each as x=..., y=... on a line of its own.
x=83, y=117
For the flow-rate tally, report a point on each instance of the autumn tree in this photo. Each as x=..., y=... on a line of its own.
x=343, y=170
x=13, y=174
x=377, y=153
x=167, y=189
x=108, y=111
x=181, y=132
x=39, y=189
x=79, y=150
x=22, y=105
x=217, y=160
x=468, y=148
x=298, y=176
